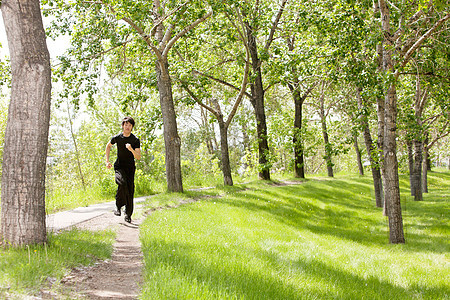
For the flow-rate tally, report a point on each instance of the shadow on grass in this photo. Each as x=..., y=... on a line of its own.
x=344, y=210
x=301, y=279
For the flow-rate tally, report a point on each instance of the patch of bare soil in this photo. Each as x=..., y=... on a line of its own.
x=117, y=278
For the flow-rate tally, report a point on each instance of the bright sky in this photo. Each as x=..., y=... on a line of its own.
x=55, y=48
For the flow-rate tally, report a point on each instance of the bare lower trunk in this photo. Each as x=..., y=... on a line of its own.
x=358, y=155
x=328, y=149
x=257, y=101
x=381, y=125
x=208, y=134
x=375, y=168
x=172, y=141
x=226, y=168
x=26, y=135
x=394, y=210
x=299, y=164
x=416, y=183
x=247, y=148
x=75, y=144
x=372, y=153
x=409, y=149
x=425, y=171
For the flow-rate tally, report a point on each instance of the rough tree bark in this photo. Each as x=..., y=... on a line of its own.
x=371, y=152
x=26, y=136
x=226, y=168
x=299, y=163
x=172, y=141
x=257, y=101
x=409, y=150
x=416, y=182
x=416, y=176
x=257, y=89
x=392, y=189
x=299, y=99
x=358, y=154
x=209, y=132
x=328, y=147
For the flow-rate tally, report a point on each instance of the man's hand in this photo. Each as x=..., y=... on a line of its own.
x=108, y=165
x=136, y=152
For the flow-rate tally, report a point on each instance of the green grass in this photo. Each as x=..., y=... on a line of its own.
x=321, y=239
x=25, y=270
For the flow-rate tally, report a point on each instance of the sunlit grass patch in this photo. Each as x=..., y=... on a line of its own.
x=321, y=239
x=25, y=270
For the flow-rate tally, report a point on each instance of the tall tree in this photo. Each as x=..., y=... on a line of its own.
x=146, y=30
x=26, y=138
x=254, y=24
x=396, y=54
x=371, y=149
x=211, y=74
x=323, y=114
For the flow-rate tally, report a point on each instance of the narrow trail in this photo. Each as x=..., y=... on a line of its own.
x=121, y=276
x=117, y=278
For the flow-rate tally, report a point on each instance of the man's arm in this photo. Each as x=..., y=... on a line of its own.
x=107, y=151
x=136, y=152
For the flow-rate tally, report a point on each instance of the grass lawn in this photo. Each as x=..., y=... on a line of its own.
x=25, y=270
x=320, y=239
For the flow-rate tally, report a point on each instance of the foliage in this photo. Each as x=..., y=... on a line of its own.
x=305, y=241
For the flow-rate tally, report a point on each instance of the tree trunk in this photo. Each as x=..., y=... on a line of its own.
x=381, y=126
x=172, y=141
x=247, y=147
x=226, y=168
x=257, y=101
x=358, y=154
x=392, y=198
x=372, y=153
x=26, y=135
x=328, y=148
x=208, y=133
x=299, y=164
x=416, y=184
x=425, y=168
x=392, y=187
x=409, y=149
x=77, y=153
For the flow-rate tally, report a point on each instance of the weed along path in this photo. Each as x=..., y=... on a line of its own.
x=117, y=278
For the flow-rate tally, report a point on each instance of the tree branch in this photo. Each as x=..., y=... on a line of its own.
x=275, y=25
x=142, y=33
x=416, y=45
x=220, y=81
x=152, y=31
x=188, y=90
x=242, y=91
x=184, y=31
x=444, y=134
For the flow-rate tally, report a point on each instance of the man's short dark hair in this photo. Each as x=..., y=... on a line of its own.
x=129, y=120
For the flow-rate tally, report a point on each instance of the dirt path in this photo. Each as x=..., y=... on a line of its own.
x=117, y=278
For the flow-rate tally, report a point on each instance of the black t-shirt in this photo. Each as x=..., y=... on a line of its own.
x=124, y=156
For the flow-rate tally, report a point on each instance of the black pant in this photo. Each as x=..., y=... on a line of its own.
x=125, y=189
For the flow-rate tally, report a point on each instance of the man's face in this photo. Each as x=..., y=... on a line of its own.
x=127, y=127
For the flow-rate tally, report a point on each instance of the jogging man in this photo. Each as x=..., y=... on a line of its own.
x=128, y=149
